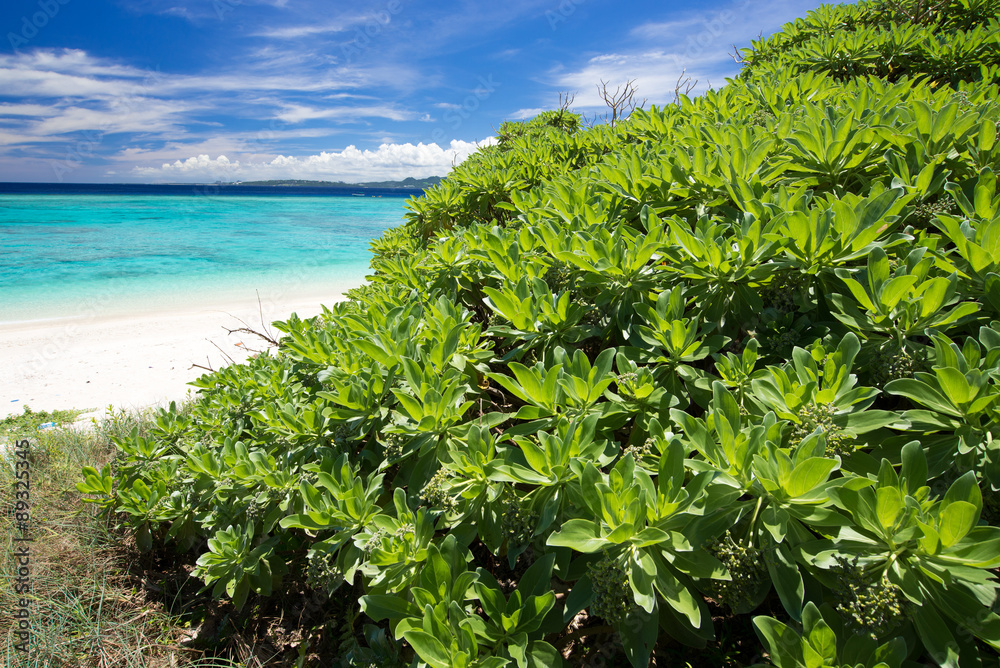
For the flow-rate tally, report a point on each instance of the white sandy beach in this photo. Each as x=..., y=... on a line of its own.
x=132, y=361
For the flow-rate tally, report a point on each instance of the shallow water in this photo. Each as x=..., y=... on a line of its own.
x=65, y=256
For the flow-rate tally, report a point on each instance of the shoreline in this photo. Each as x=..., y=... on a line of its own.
x=136, y=360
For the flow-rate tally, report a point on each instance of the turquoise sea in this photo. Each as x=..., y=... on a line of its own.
x=76, y=255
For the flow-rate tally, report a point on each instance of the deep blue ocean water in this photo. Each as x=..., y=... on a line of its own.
x=79, y=250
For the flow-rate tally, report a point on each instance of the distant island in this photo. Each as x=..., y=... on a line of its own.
x=408, y=182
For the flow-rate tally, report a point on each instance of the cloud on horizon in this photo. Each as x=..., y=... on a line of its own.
x=389, y=161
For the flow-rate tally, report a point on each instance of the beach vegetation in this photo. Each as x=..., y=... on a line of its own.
x=29, y=421
x=715, y=384
x=93, y=599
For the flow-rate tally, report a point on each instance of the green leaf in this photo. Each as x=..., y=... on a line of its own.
x=580, y=535
x=955, y=385
x=589, y=481
x=638, y=633
x=808, y=475
x=923, y=394
x=984, y=194
x=787, y=580
x=543, y=655
x=936, y=637
x=914, y=466
x=641, y=577
x=240, y=592
x=980, y=549
x=893, y=290
x=987, y=135
x=819, y=635
x=775, y=520
x=385, y=606
x=783, y=643
x=888, y=506
x=956, y=520
x=537, y=578
x=429, y=648
x=579, y=597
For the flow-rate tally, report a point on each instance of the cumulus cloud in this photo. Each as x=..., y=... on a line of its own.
x=389, y=161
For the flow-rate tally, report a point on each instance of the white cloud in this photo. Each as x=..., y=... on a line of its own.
x=249, y=146
x=143, y=115
x=307, y=30
x=389, y=161
x=296, y=113
x=699, y=46
x=16, y=138
x=522, y=114
x=66, y=91
x=70, y=73
x=33, y=110
x=655, y=76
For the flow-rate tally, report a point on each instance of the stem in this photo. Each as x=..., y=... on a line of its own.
x=752, y=527
x=884, y=567
x=892, y=559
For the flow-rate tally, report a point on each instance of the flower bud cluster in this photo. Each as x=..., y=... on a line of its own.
x=437, y=493
x=872, y=605
x=640, y=451
x=925, y=212
x=322, y=572
x=891, y=362
x=393, y=444
x=746, y=570
x=820, y=416
x=518, y=520
x=626, y=383
x=592, y=317
x=374, y=542
x=780, y=295
x=962, y=98
x=404, y=530
x=612, y=594
x=256, y=510
x=760, y=118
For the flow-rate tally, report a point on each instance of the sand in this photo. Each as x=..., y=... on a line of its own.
x=133, y=361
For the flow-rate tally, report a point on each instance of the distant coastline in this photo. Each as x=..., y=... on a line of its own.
x=306, y=189
x=409, y=183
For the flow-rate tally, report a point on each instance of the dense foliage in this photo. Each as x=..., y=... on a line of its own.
x=741, y=351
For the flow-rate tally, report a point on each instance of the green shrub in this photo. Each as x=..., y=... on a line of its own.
x=738, y=350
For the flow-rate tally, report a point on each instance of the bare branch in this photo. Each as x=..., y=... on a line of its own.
x=225, y=354
x=266, y=334
x=684, y=86
x=206, y=368
x=566, y=100
x=621, y=102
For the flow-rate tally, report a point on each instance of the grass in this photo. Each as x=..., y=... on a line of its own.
x=29, y=422
x=97, y=602
x=88, y=606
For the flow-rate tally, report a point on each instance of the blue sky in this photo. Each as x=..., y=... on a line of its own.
x=169, y=91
